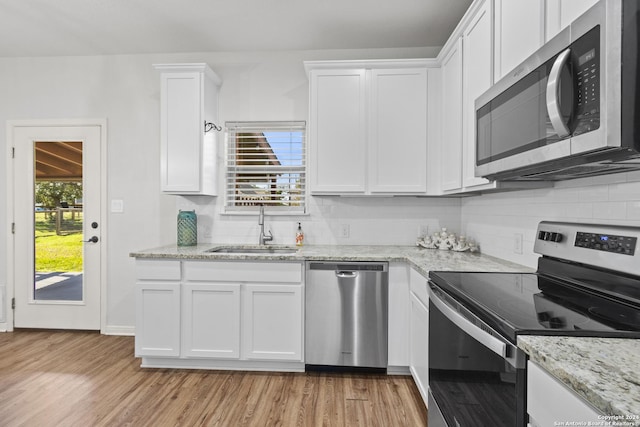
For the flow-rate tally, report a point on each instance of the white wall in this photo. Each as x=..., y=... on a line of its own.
x=125, y=90
x=494, y=218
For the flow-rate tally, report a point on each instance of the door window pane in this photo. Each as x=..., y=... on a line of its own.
x=58, y=221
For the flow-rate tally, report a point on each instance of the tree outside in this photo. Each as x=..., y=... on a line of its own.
x=49, y=194
x=57, y=251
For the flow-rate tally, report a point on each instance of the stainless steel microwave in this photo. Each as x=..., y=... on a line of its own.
x=572, y=108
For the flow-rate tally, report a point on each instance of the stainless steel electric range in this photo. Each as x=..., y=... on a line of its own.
x=587, y=284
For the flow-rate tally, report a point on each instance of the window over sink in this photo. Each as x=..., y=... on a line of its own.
x=265, y=166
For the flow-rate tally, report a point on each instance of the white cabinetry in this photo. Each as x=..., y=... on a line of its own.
x=261, y=306
x=477, y=77
x=467, y=71
x=337, y=131
x=560, y=13
x=211, y=320
x=398, y=328
x=157, y=308
x=550, y=402
x=398, y=131
x=188, y=100
x=419, y=327
x=451, y=148
x=368, y=127
x=272, y=322
x=220, y=314
x=519, y=32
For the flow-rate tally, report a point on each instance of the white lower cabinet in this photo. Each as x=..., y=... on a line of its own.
x=419, y=327
x=220, y=314
x=398, y=328
x=272, y=322
x=157, y=295
x=157, y=319
x=550, y=402
x=211, y=320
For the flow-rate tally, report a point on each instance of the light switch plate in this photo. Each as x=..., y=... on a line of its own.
x=117, y=206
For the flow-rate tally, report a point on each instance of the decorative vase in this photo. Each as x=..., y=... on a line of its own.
x=187, y=228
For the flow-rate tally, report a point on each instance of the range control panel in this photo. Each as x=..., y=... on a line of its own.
x=612, y=247
x=550, y=236
x=606, y=242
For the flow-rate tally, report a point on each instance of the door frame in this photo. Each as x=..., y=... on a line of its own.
x=10, y=288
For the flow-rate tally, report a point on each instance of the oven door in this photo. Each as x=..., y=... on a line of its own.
x=476, y=377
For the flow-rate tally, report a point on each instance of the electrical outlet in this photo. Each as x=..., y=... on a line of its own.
x=344, y=231
x=517, y=243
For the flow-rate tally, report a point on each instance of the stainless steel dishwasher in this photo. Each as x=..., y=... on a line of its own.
x=346, y=314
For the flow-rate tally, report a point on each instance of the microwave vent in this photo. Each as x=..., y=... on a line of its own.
x=581, y=171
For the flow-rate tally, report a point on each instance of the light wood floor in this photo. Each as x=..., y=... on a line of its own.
x=56, y=378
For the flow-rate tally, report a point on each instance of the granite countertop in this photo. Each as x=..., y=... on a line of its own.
x=424, y=260
x=603, y=371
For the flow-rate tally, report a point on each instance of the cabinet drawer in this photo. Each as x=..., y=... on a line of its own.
x=230, y=271
x=419, y=286
x=153, y=269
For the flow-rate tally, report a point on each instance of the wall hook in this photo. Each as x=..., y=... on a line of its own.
x=208, y=126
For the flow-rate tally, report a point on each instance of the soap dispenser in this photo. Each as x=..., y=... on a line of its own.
x=299, y=236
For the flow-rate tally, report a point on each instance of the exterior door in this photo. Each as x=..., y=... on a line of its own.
x=57, y=226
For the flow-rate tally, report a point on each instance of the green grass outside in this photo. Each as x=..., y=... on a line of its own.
x=58, y=252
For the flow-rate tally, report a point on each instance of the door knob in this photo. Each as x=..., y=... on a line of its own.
x=93, y=239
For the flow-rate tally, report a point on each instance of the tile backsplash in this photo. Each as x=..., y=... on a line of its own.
x=496, y=219
x=369, y=220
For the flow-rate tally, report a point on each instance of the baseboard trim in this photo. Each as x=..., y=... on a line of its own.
x=398, y=370
x=129, y=331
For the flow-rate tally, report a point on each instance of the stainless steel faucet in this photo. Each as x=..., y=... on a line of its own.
x=263, y=237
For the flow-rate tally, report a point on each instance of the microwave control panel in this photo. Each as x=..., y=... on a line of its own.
x=586, y=72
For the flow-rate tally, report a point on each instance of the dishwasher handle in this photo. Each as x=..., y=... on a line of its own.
x=346, y=274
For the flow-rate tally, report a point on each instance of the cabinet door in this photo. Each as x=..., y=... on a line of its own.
x=181, y=131
x=157, y=319
x=477, y=77
x=398, y=131
x=560, y=13
x=211, y=320
x=337, y=134
x=272, y=322
x=549, y=401
x=519, y=32
x=451, y=149
x=419, y=345
x=398, y=315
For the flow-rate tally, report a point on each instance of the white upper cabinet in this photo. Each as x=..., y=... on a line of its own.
x=477, y=77
x=337, y=135
x=368, y=127
x=560, y=13
x=451, y=145
x=188, y=155
x=398, y=131
x=519, y=32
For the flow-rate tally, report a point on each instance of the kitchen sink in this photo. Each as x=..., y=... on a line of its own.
x=254, y=251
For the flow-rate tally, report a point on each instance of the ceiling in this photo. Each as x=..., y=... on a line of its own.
x=58, y=161
x=105, y=27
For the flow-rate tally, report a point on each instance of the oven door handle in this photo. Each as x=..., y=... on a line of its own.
x=489, y=341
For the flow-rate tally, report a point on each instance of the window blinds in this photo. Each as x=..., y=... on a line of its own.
x=265, y=166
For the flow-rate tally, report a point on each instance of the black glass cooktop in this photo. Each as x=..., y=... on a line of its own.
x=542, y=304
